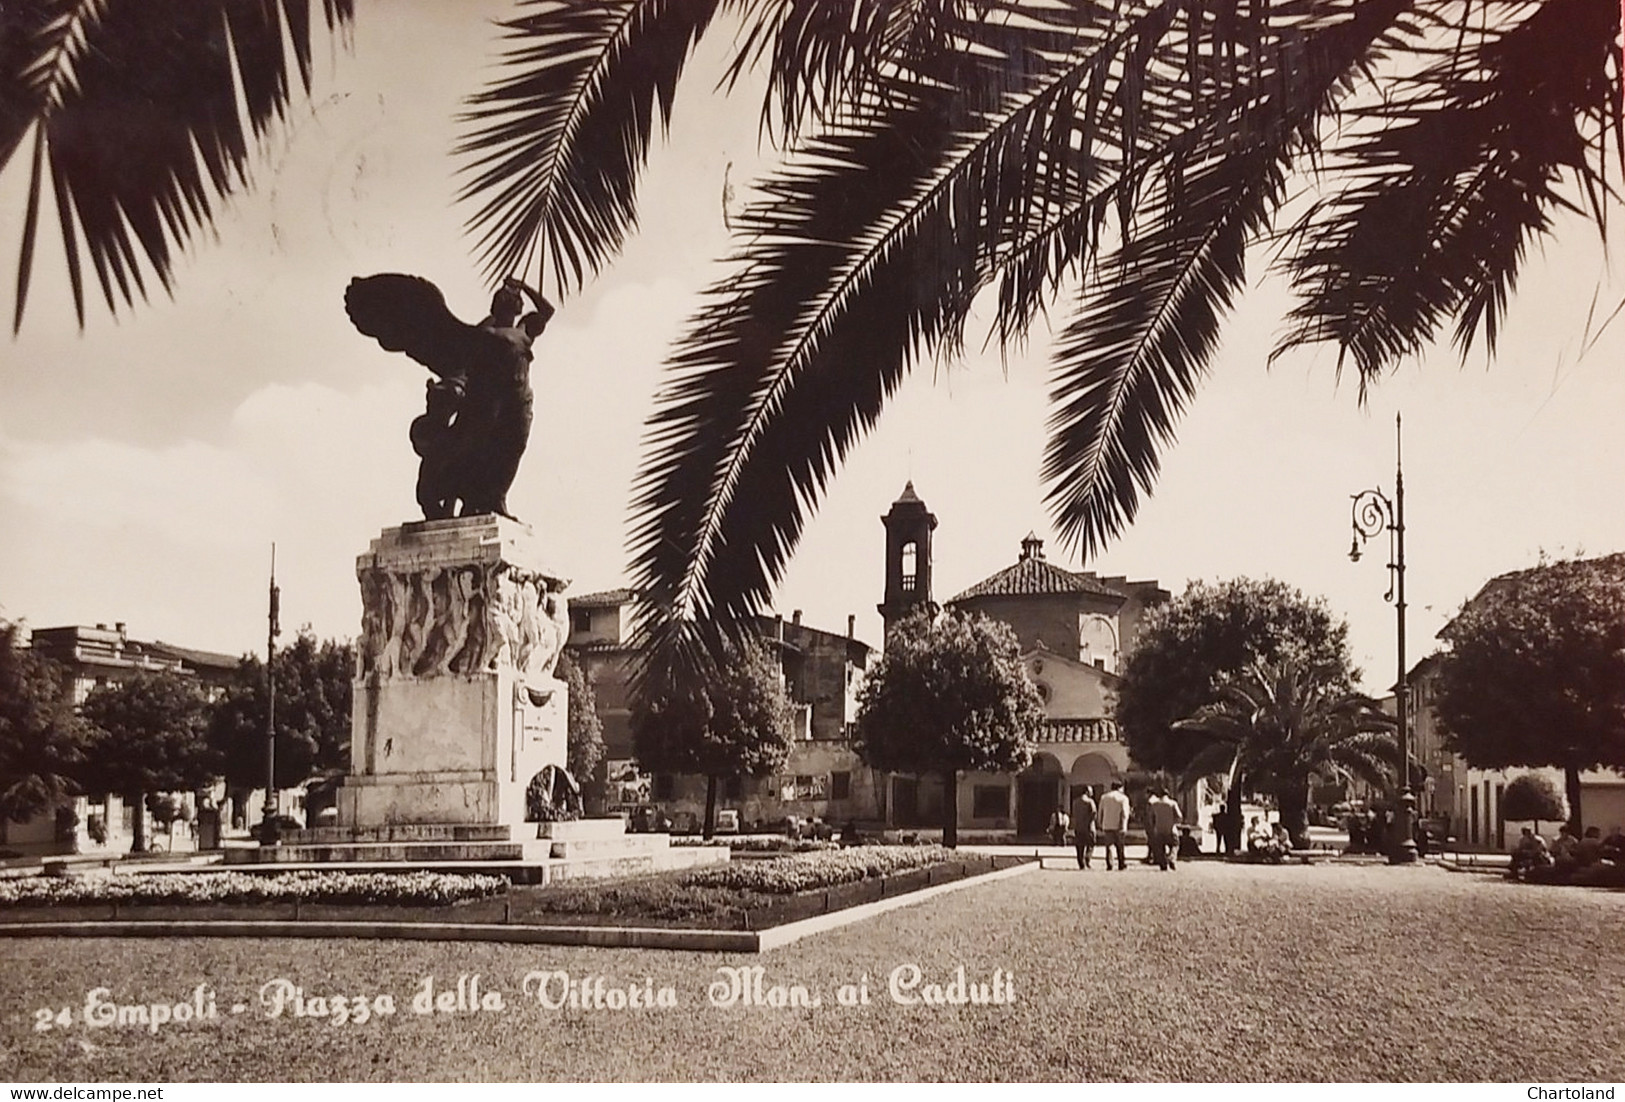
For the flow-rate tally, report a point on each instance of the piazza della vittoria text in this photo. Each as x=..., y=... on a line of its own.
x=749, y=986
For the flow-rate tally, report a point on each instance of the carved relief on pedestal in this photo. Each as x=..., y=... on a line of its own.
x=461, y=619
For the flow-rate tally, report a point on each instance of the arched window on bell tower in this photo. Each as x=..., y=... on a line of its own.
x=908, y=556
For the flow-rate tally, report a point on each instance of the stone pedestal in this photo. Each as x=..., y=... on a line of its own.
x=456, y=707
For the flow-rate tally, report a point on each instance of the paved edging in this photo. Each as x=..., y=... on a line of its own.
x=603, y=937
x=795, y=931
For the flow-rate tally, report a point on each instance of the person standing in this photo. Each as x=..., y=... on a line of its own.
x=1058, y=822
x=1162, y=816
x=1083, y=828
x=1113, y=822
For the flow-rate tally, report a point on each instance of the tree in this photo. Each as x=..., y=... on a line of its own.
x=1120, y=159
x=1187, y=647
x=42, y=739
x=949, y=694
x=1533, y=797
x=1535, y=672
x=727, y=720
x=149, y=736
x=585, y=736
x=313, y=692
x=1282, y=723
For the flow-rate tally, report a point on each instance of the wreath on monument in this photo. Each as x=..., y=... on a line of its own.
x=553, y=796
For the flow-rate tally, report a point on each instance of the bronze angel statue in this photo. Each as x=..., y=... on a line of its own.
x=477, y=421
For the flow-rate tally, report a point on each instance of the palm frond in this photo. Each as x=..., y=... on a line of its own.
x=861, y=254
x=823, y=59
x=1218, y=757
x=556, y=145
x=1132, y=359
x=1447, y=180
x=869, y=247
x=142, y=117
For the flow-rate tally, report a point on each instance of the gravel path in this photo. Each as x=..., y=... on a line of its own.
x=1211, y=973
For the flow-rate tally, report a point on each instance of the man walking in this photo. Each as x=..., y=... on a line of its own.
x=1162, y=816
x=1113, y=822
x=1083, y=828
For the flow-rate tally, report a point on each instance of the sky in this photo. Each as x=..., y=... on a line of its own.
x=149, y=462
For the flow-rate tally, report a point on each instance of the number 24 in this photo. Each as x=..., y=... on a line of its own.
x=46, y=1018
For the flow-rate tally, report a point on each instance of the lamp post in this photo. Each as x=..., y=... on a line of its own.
x=268, y=827
x=1372, y=512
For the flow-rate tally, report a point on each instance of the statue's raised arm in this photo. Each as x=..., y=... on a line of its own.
x=478, y=419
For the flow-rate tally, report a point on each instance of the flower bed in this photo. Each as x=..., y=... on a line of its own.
x=757, y=894
x=807, y=871
x=408, y=889
x=757, y=843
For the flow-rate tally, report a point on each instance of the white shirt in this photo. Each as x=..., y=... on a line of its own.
x=1114, y=810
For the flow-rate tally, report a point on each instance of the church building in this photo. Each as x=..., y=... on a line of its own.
x=1073, y=628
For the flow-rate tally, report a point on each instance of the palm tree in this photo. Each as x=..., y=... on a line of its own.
x=1120, y=160
x=1280, y=724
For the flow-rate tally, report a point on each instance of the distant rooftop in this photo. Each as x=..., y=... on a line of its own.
x=1033, y=576
x=101, y=645
x=607, y=598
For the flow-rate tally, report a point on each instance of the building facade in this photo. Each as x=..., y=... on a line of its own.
x=1073, y=628
x=822, y=670
x=1471, y=798
x=92, y=657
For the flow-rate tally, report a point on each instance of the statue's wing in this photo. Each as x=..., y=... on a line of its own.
x=408, y=314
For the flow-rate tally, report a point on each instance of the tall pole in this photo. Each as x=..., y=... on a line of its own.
x=1405, y=851
x=1373, y=512
x=268, y=830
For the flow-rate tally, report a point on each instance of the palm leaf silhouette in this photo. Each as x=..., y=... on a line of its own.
x=139, y=117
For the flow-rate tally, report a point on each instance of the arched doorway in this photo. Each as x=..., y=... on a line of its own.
x=1038, y=793
x=1093, y=771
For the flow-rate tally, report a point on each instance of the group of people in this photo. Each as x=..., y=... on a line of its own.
x=1105, y=822
x=1568, y=854
x=1269, y=842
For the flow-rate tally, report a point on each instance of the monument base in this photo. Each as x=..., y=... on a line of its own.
x=455, y=708
x=561, y=851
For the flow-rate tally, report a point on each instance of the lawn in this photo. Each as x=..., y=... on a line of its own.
x=1213, y=972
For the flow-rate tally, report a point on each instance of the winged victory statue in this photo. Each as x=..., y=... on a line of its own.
x=477, y=419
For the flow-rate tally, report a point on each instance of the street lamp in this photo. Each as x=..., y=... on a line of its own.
x=269, y=835
x=1372, y=513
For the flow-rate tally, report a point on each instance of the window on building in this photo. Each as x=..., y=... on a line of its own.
x=732, y=788
x=802, y=786
x=664, y=787
x=581, y=620
x=990, y=801
x=911, y=566
x=840, y=786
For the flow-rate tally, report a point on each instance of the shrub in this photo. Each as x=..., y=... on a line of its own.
x=1534, y=797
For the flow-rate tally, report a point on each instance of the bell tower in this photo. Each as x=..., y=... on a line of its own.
x=908, y=557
